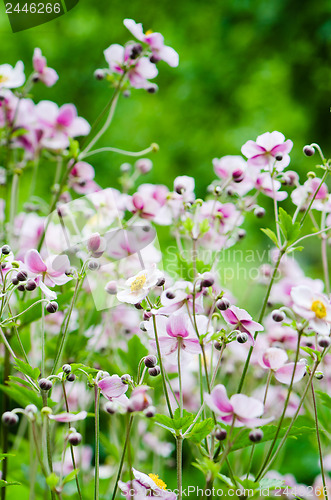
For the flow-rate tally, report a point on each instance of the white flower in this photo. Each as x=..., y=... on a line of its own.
x=313, y=306
x=11, y=78
x=137, y=287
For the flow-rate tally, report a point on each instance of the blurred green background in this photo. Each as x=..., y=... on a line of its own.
x=246, y=67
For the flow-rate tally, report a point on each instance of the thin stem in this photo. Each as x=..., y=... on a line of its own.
x=179, y=460
x=5, y=402
x=314, y=196
x=43, y=338
x=13, y=204
x=119, y=151
x=265, y=302
x=97, y=438
x=180, y=378
x=319, y=442
x=162, y=368
x=47, y=438
x=325, y=256
x=127, y=437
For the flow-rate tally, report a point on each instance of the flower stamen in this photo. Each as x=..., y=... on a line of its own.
x=138, y=283
x=319, y=309
x=159, y=483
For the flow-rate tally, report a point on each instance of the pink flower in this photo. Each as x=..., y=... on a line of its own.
x=144, y=487
x=155, y=42
x=150, y=202
x=51, y=272
x=275, y=359
x=240, y=409
x=228, y=167
x=139, y=399
x=269, y=187
x=69, y=417
x=313, y=306
x=137, y=288
x=176, y=297
x=45, y=74
x=81, y=178
x=59, y=124
x=112, y=387
x=139, y=71
x=180, y=334
x=262, y=153
x=302, y=195
x=241, y=320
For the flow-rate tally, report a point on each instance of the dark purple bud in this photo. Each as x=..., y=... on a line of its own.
x=152, y=89
x=22, y=276
x=147, y=315
x=309, y=150
x=9, y=418
x=319, y=375
x=30, y=285
x=278, y=316
x=241, y=234
x=52, y=307
x=45, y=384
x=150, y=412
x=323, y=342
x=21, y=288
x=66, y=369
x=5, y=250
x=223, y=304
x=154, y=59
x=126, y=378
x=75, y=438
x=220, y=434
x=150, y=361
x=238, y=175
x=143, y=327
x=71, y=377
x=259, y=212
x=14, y=281
x=217, y=345
x=110, y=408
x=170, y=295
x=242, y=337
x=136, y=51
x=255, y=435
x=207, y=280
x=99, y=74
x=155, y=371
x=279, y=157
x=161, y=281
x=138, y=306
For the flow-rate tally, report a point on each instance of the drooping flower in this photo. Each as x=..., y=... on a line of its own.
x=11, y=78
x=45, y=74
x=155, y=41
x=274, y=359
x=302, y=195
x=112, y=387
x=232, y=168
x=69, y=417
x=81, y=178
x=241, y=320
x=268, y=146
x=137, y=288
x=269, y=187
x=145, y=486
x=313, y=306
x=48, y=273
x=239, y=409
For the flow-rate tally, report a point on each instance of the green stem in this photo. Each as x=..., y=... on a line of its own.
x=97, y=438
x=127, y=437
x=314, y=196
x=319, y=443
x=13, y=204
x=119, y=151
x=5, y=403
x=165, y=390
x=179, y=460
x=180, y=378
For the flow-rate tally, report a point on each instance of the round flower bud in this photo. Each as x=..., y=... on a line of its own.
x=136, y=51
x=75, y=438
x=155, y=371
x=46, y=410
x=223, y=304
x=319, y=375
x=45, y=384
x=31, y=409
x=147, y=315
x=21, y=288
x=93, y=265
x=207, y=280
x=94, y=241
x=66, y=369
x=144, y=165
x=279, y=157
x=30, y=285
x=229, y=191
x=152, y=89
x=142, y=327
x=125, y=168
x=170, y=295
x=259, y=212
x=138, y=306
x=323, y=341
x=71, y=377
x=22, y=275
x=155, y=147
x=111, y=408
x=218, y=345
x=309, y=150
x=255, y=435
x=99, y=74
x=126, y=378
x=241, y=234
x=9, y=418
x=311, y=175
x=242, y=337
x=154, y=59
x=150, y=412
x=278, y=316
x=14, y=281
x=150, y=361
x=220, y=434
x=218, y=190
x=238, y=175
x=111, y=287
x=5, y=250
x=161, y=281
x=52, y=307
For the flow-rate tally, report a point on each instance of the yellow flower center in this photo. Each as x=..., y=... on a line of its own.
x=3, y=78
x=138, y=283
x=159, y=483
x=149, y=32
x=319, y=309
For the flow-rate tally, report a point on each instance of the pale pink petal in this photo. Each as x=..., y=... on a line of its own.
x=274, y=358
x=246, y=407
x=284, y=374
x=218, y=400
x=250, y=149
x=34, y=262
x=112, y=387
x=69, y=417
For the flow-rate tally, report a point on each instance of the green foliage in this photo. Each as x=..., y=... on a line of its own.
x=289, y=229
x=200, y=431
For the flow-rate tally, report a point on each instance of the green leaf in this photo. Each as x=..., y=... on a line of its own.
x=313, y=353
x=289, y=229
x=184, y=422
x=19, y=132
x=34, y=313
x=52, y=480
x=72, y=475
x=204, y=227
x=164, y=421
x=270, y=235
x=200, y=430
x=23, y=396
x=19, y=380
x=325, y=398
x=25, y=368
x=4, y=484
x=188, y=224
x=271, y=484
x=135, y=352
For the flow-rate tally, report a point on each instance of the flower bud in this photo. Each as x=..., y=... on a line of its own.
x=14, y=281
x=309, y=150
x=229, y=191
x=99, y=74
x=142, y=327
x=94, y=241
x=75, y=438
x=218, y=345
x=52, y=307
x=319, y=375
x=311, y=175
x=136, y=51
x=218, y=190
x=46, y=410
x=5, y=250
x=155, y=371
x=170, y=295
x=150, y=361
x=22, y=275
x=21, y=288
x=223, y=304
x=323, y=341
x=278, y=316
x=155, y=147
x=30, y=285
x=125, y=168
x=259, y=212
x=93, y=265
x=279, y=157
x=45, y=384
x=207, y=280
x=255, y=435
x=111, y=287
x=9, y=418
x=138, y=306
x=220, y=434
x=238, y=175
x=160, y=281
x=31, y=409
x=144, y=165
x=126, y=378
x=66, y=369
x=71, y=377
x=150, y=412
x=147, y=315
x=241, y=234
x=111, y=407
x=242, y=337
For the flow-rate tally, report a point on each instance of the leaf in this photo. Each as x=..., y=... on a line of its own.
x=23, y=396
x=34, y=313
x=19, y=380
x=289, y=229
x=164, y=421
x=177, y=423
x=270, y=235
x=72, y=475
x=312, y=353
x=325, y=398
x=271, y=483
x=136, y=351
x=52, y=480
x=25, y=368
x=200, y=430
x=204, y=227
x=4, y=484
